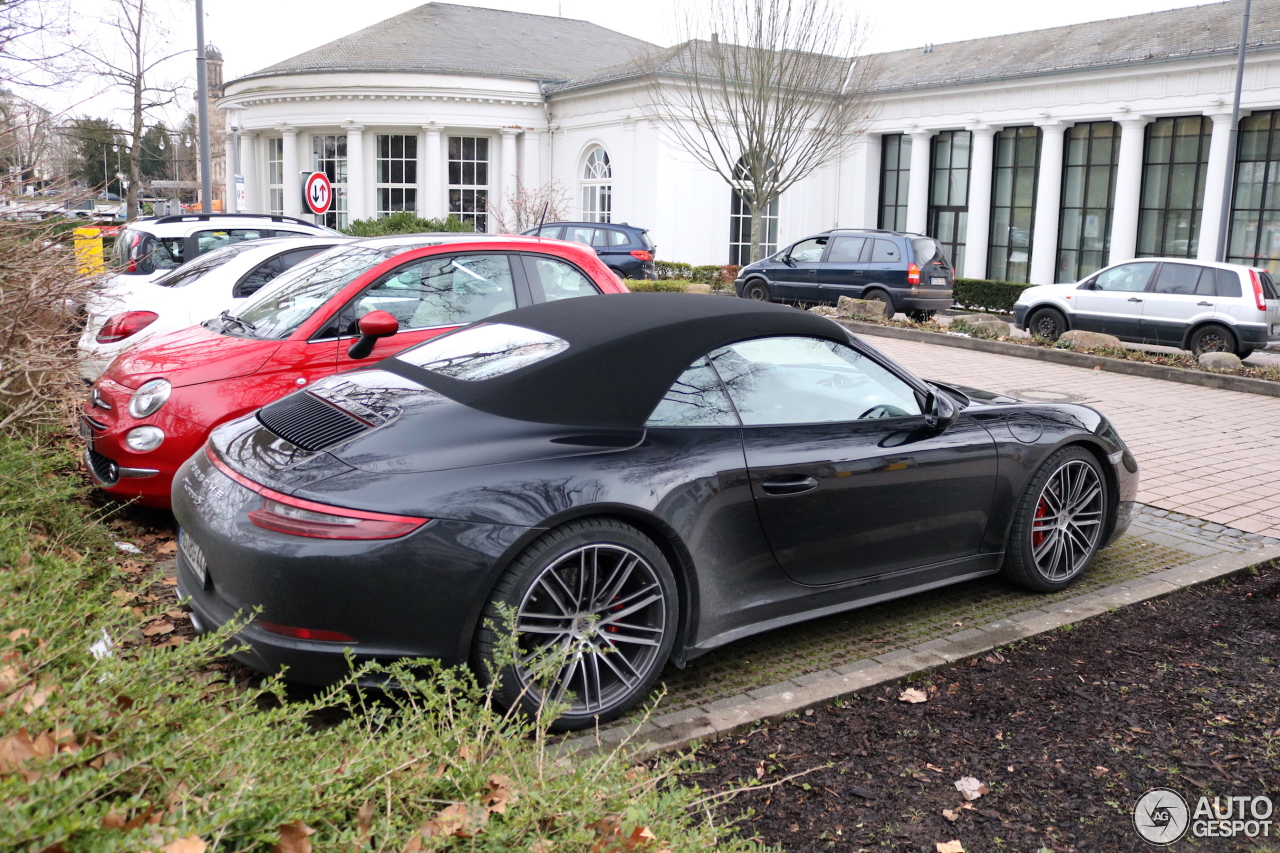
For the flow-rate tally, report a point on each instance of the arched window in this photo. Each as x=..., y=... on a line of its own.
x=597, y=187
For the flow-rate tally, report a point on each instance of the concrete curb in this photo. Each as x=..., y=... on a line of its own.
x=687, y=728
x=1221, y=381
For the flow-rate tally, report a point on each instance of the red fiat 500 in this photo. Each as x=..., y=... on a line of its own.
x=351, y=305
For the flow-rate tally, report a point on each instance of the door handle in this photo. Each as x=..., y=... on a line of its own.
x=1134, y=299
x=793, y=485
x=1205, y=304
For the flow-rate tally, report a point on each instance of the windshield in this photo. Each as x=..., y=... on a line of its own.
x=484, y=351
x=283, y=305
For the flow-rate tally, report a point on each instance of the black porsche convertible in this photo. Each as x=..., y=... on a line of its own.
x=635, y=480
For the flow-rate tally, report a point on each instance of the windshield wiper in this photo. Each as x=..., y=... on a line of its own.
x=227, y=318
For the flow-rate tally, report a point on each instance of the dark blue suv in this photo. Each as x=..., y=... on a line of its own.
x=904, y=272
x=625, y=249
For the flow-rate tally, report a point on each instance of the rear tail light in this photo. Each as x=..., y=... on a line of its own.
x=123, y=325
x=1258, y=296
x=642, y=255
x=286, y=514
x=913, y=274
x=306, y=633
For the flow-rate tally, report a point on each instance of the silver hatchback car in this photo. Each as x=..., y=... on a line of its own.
x=1199, y=306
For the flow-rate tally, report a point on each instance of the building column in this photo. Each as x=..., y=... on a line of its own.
x=868, y=214
x=1217, y=172
x=510, y=173
x=1128, y=200
x=530, y=165
x=918, y=189
x=1044, y=228
x=977, y=238
x=292, y=186
x=249, y=169
x=431, y=200
x=229, y=174
x=355, y=173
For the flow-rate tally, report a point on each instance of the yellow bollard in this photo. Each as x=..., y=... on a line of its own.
x=88, y=246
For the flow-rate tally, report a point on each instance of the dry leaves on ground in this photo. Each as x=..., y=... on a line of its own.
x=913, y=695
x=971, y=788
x=950, y=847
x=294, y=838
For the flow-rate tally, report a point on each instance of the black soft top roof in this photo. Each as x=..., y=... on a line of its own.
x=625, y=352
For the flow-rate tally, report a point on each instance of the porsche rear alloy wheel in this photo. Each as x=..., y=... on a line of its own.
x=595, y=607
x=1059, y=522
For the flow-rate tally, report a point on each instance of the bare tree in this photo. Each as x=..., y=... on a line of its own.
x=36, y=43
x=526, y=207
x=131, y=48
x=777, y=92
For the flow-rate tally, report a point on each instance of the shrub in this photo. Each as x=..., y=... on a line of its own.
x=114, y=738
x=984, y=294
x=671, y=270
x=404, y=222
x=660, y=286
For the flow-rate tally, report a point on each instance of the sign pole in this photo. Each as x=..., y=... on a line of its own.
x=202, y=115
x=1228, y=180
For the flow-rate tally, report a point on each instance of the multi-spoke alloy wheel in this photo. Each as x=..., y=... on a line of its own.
x=1059, y=523
x=594, y=608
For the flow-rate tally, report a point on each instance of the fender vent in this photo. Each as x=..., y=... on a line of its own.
x=309, y=422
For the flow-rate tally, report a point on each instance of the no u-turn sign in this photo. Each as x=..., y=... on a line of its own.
x=317, y=192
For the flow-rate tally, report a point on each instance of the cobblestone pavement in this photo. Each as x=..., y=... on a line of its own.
x=1203, y=452
x=782, y=659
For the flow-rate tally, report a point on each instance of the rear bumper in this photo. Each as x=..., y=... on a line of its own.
x=923, y=300
x=1256, y=335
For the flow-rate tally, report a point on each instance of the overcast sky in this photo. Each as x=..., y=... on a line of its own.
x=255, y=33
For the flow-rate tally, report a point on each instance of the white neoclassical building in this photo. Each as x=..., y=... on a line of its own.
x=1038, y=156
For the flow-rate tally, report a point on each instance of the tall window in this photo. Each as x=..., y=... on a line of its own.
x=597, y=187
x=1255, y=213
x=1013, y=203
x=1173, y=186
x=949, y=192
x=275, y=175
x=397, y=173
x=740, y=230
x=329, y=155
x=469, y=179
x=895, y=176
x=1088, y=194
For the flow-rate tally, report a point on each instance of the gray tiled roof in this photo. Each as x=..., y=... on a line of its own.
x=447, y=38
x=1151, y=37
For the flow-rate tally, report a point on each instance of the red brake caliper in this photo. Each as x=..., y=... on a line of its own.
x=1037, y=536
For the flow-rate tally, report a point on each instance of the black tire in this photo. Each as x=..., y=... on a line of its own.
x=1244, y=352
x=921, y=316
x=1047, y=323
x=1058, y=522
x=1212, y=337
x=757, y=289
x=884, y=299
x=624, y=673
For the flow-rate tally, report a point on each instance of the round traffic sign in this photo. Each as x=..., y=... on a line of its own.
x=318, y=192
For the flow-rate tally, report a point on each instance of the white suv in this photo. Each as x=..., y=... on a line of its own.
x=147, y=248
x=1199, y=306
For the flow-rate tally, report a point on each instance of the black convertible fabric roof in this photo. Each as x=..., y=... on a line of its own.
x=625, y=352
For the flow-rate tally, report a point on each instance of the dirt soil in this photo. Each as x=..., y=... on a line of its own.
x=1066, y=731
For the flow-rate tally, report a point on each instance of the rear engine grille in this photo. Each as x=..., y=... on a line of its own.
x=106, y=471
x=309, y=422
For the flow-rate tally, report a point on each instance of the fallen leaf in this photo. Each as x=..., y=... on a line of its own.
x=18, y=634
x=949, y=847
x=364, y=821
x=456, y=821
x=498, y=795
x=170, y=547
x=934, y=768
x=113, y=820
x=162, y=627
x=970, y=788
x=190, y=844
x=913, y=696
x=950, y=815
x=294, y=838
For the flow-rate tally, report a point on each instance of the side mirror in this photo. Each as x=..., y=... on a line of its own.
x=372, y=326
x=940, y=411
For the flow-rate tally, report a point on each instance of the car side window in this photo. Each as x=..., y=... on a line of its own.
x=207, y=241
x=164, y=253
x=885, y=252
x=1181, y=279
x=809, y=251
x=559, y=279
x=438, y=291
x=1126, y=278
x=552, y=232
x=800, y=380
x=618, y=238
x=579, y=234
x=696, y=399
x=846, y=250
x=1228, y=284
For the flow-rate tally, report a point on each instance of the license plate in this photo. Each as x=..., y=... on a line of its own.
x=85, y=432
x=195, y=558
x=938, y=280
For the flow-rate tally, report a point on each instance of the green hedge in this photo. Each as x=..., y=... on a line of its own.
x=404, y=222
x=659, y=286
x=986, y=294
x=672, y=270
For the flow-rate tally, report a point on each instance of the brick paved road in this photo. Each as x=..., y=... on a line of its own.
x=1203, y=452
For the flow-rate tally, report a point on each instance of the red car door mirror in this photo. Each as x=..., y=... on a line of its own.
x=372, y=326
